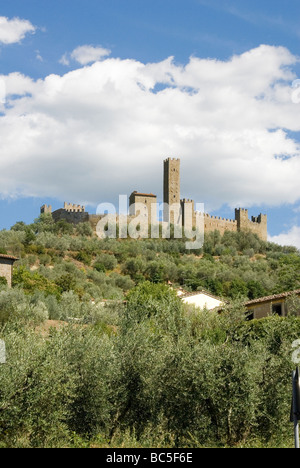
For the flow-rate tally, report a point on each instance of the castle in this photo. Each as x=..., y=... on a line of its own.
x=176, y=211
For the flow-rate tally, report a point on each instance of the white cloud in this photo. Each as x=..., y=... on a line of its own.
x=89, y=54
x=104, y=129
x=290, y=238
x=85, y=55
x=65, y=59
x=14, y=30
x=39, y=56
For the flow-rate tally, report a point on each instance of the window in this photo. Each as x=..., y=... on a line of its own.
x=277, y=309
x=250, y=316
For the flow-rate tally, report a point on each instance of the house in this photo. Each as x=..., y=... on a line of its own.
x=6, y=267
x=202, y=300
x=268, y=305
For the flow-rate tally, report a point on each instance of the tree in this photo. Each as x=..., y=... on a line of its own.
x=31, y=282
x=255, y=289
x=238, y=288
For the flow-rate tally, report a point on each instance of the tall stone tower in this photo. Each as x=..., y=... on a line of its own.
x=172, y=190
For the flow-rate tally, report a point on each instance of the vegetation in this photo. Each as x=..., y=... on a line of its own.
x=86, y=369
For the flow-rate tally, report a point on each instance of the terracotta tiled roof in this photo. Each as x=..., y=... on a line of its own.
x=8, y=257
x=273, y=297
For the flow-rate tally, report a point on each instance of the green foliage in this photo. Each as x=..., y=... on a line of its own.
x=84, y=229
x=31, y=282
x=181, y=378
x=3, y=281
x=18, y=308
x=105, y=262
x=84, y=257
x=66, y=282
x=149, y=371
x=152, y=300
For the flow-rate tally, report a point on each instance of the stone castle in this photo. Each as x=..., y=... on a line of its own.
x=176, y=210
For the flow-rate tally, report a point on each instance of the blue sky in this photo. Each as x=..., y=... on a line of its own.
x=222, y=104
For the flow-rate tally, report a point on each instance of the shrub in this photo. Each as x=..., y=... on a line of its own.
x=84, y=257
x=31, y=282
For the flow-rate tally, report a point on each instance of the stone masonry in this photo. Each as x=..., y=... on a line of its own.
x=176, y=210
x=172, y=212
x=257, y=225
x=144, y=204
x=6, y=267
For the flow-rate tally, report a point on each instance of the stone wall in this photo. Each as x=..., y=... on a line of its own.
x=73, y=208
x=149, y=202
x=257, y=225
x=6, y=269
x=176, y=211
x=46, y=209
x=70, y=217
x=216, y=223
x=171, y=189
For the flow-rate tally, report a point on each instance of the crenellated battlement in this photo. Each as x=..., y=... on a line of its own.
x=72, y=208
x=46, y=209
x=171, y=159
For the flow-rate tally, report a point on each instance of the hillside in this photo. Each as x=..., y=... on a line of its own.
x=84, y=369
x=57, y=258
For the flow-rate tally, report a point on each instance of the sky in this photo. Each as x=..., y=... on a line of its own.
x=95, y=94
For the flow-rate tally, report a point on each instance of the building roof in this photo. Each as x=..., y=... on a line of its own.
x=8, y=257
x=197, y=293
x=139, y=194
x=274, y=297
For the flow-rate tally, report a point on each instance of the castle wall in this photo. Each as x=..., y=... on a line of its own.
x=73, y=208
x=176, y=211
x=256, y=225
x=215, y=223
x=188, y=212
x=70, y=217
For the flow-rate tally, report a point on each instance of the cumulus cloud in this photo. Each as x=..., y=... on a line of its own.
x=290, y=238
x=14, y=30
x=104, y=129
x=85, y=55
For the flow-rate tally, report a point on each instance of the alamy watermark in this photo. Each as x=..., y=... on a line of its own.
x=142, y=222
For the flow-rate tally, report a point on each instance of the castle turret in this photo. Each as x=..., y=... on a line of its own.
x=258, y=225
x=46, y=209
x=242, y=219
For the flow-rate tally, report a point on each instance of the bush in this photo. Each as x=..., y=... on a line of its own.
x=84, y=257
x=3, y=281
x=31, y=282
x=105, y=262
x=18, y=308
